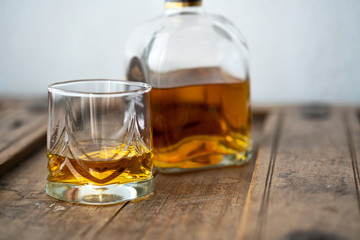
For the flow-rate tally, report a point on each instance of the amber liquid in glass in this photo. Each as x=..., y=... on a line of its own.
x=101, y=166
x=196, y=126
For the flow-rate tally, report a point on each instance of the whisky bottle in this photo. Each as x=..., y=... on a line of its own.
x=197, y=64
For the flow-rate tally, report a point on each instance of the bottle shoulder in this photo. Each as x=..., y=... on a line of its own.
x=178, y=27
x=230, y=27
x=188, y=41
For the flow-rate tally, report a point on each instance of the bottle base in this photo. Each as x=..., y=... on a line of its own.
x=227, y=161
x=100, y=195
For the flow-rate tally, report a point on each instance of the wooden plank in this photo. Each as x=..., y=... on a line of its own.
x=26, y=212
x=197, y=205
x=9, y=105
x=187, y=206
x=23, y=126
x=352, y=121
x=303, y=185
x=260, y=181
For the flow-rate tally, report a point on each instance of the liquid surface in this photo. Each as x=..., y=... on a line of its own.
x=195, y=126
x=101, y=165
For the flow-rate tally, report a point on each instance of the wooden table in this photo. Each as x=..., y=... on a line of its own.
x=302, y=183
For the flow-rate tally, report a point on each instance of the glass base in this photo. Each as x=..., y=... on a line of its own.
x=99, y=195
x=227, y=160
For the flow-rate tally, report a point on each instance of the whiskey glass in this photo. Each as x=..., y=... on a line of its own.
x=99, y=141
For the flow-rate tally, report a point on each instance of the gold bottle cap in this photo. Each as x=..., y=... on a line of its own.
x=171, y=4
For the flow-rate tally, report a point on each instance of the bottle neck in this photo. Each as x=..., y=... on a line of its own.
x=183, y=6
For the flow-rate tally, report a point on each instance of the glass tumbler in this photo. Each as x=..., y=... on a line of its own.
x=99, y=141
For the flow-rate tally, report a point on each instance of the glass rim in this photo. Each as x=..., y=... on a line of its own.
x=143, y=88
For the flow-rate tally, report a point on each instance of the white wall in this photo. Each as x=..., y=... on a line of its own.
x=301, y=50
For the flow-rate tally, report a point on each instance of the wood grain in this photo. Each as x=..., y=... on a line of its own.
x=311, y=194
x=352, y=122
x=23, y=129
x=197, y=205
x=184, y=206
x=304, y=184
x=26, y=212
x=253, y=218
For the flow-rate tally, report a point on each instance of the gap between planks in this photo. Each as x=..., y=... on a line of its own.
x=266, y=194
x=351, y=121
x=256, y=212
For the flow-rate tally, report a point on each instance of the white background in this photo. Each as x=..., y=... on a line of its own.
x=301, y=50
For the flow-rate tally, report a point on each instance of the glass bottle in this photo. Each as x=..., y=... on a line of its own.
x=197, y=64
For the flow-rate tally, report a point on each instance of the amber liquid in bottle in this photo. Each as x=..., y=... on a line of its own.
x=199, y=126
x=108, y=165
